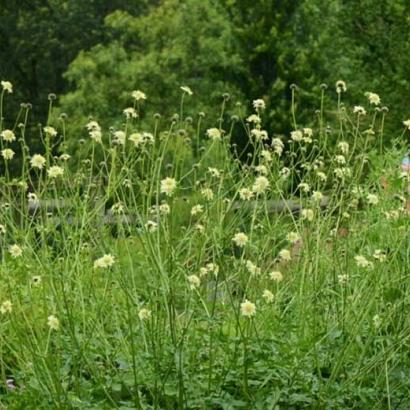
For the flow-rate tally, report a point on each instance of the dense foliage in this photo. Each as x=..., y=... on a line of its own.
x=241, y=47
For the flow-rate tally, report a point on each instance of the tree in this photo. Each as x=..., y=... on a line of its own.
x=187, y=43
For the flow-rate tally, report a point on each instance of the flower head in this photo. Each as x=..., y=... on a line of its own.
x=373, y=98
x=248, y=308
x=296, y=135
x=194, y=281
x=379, y=255
x=119, y=137
x=8, y=135
x=276, y=276
x=260, y=185
x=130, y=112
x=15, y=251
x=359, y=110
x=168, y=186
x=285, y=255
x=246, y=194
x=240, y=239
x=37, y=161
x=186, y=89
x=253, y=118
x=207, y=193
x=7, y=86
x=6, y=307
x=362, y=262
x=53, y=322
x=138, y=95
x=341, y=86
x=55, y=171
x=252, y=268
x=197, y=209
x=258, y=104
x=372, y=199
x=293, y=237
x=50, y=131
x=7, y=153
x=105, y=261
x=214, y=134
x=144, y=314
x=307, y=214
x=317, y=196
x=268, y=296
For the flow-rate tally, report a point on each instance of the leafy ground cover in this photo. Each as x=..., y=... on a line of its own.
x=154, y=270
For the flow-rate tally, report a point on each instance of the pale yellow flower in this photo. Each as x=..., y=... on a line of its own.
x=138, y=95
x=379, y=255
x=285, y=255
x=55, y=171
x=317, y=196
x=322, y=176
x=65, y=157
x=304, y=187
x=119, y=137
x=278, y=146
x=342, y=279
x=15, y=251
x=276, y=276
x=214, y=172
x=240, y=239
x=296, y=135
x=53, y=322
x=260, y=185
x=6, y=307
x=168, y=186
x=7, y=154
x=255, y=119
x=266, y=155
x=246, y=194
x=252, y=268
x=7, y=86
x=151, y=226
x=194, y=281
x=105, y=261
x=144, y=314
x=341, y=86
x=261, y=169
x=214, y=134
x=372, y=199
x=186, y=89
x=8, y=135
x=197, y=209
x=359, y=110
x=207, y=193
x=268, y=296
x=130, y=112
x=51, y=131
x=307, y=214
x=362, y=262
x=136, y=138
x=248, y=308
x=259, y=135
x=164, y=209
x=344, y=147
x=293, y=237
x=37, y=161
x=373, y=98
x=259, y=104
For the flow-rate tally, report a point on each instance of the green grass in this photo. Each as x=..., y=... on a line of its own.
x=158, y=326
